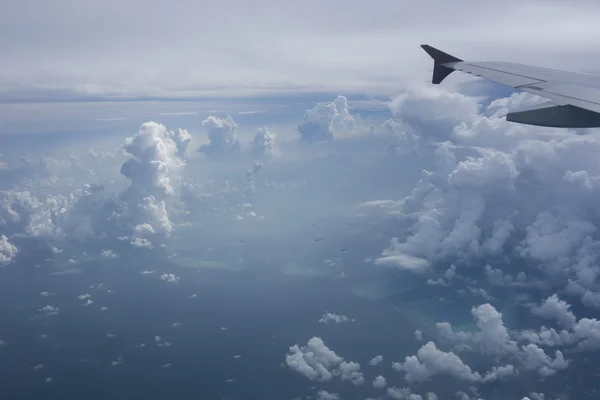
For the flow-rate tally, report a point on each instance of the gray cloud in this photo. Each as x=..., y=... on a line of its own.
x=290, y=47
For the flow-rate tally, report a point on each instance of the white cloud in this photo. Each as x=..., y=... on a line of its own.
x=394, y=257
x=430, y=361
x=171, y=278
x=155, y=159
x=264, y=143
x=350, y=371
x=317, y=362
x=325, y=395
x=451, y=108
x=402, y=394
x=498, y=187
x=8, y=251
x=222, y=136
x=493, y=339
x=329, y=318
x=49, y=310
x=554, y=308
x=326, y=120
x=146, y=272
x=109, y=254
x=118, y=361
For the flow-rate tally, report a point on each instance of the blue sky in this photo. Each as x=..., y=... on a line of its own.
x=256, y=200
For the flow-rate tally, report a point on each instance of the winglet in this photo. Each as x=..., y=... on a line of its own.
x=440, y=72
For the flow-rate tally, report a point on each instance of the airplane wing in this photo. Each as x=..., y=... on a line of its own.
x=574, y=97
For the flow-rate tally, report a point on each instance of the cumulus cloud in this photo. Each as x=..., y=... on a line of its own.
x=153, y=153
x=395, y=257
x=264, y=143
x=376, y=360
x=350, y=371
x=431, y=361
x=554, y=308
x=325, y=395
x=499, y=190
x=171, y=278
x=332, y=318
x=8, y=251
x=399, y=141
x=493, y=339
x=155, y=159
x=48, y=310
x=250, y=181
x=379, y=382
x=319, y=363
x=438, y=108
x=403, y=394
x=326, y=120
x=314, y=361
x=222, y=136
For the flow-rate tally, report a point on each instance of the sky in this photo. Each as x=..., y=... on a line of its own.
x=270, y=200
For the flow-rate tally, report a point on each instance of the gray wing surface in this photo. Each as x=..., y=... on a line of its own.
x=574, y=97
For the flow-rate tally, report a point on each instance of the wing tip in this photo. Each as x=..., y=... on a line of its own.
x=440, y=71
x=438, y=55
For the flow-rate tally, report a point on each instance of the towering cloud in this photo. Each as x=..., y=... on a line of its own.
x=325, y=120
x=222, y=136
x=500, y=190
x=263, y=143
x=155, y=158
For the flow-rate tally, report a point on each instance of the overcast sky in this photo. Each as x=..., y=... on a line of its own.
x=67, y=48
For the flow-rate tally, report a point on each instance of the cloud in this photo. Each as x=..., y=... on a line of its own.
x=314, y=361
x=350, y=371
x=418, y=335
x=326, y=120
x=318, y=363
x=498, y=191
x=394, y=257
x=222, y=136
x=376, y=360
x=403, y=394
x=264, y=143
x=451, y=108
x=346, y=52
x=8, y=251
x=325, y=395
x=153, y=153
x=154, y=158
x=554, y=308
x=430, y=361
x=250, y=181
x=379, y=382
x=329, y=318
x=493, y=339
x=48, y=311
x=171, y=278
